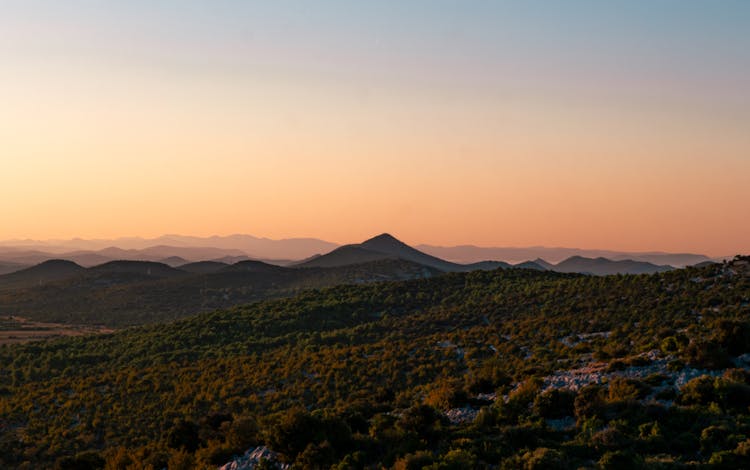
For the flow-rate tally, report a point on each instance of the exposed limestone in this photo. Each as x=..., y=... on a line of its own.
x=252, y=458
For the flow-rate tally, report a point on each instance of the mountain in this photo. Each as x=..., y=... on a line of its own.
x=471, y=254
x=383, y=246
x=386, y=243
x=604, y=266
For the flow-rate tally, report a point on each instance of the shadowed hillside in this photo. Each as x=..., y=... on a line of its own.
x=123, y=293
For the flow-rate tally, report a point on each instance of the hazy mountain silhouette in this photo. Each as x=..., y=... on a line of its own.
x=471, y=254
x=253, y=247
x=284, y=252
x=6, y=267
x=602, y=266
x=173, y=261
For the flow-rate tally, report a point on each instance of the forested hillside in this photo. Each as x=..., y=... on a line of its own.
x=503, y=369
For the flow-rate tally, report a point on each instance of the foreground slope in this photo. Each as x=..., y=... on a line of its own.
x=391, y=373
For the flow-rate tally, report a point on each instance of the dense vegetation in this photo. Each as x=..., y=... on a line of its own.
x=361, y=376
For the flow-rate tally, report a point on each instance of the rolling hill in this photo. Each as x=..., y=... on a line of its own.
x=123, y=293
x=48, y=271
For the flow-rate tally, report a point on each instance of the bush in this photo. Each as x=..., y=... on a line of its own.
x=728, y=460
x=316, y=456
x=610, y=438
x=422, y=420
x=555, y=404
x=415, y=461
x=456, y=459
x=294, y=432
x=620, y=460
x=447, y=394
x=621, y=389
x=715, y=438
x=707, y=355
x=489, y=377
x=82, y=461
x=242, y=433
x=589, y=402
x=544, y=459
x=699, y=391
x=733, y=336
x=183, y=435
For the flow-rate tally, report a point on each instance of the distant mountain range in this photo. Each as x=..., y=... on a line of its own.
x=133, y=291
x=246, y=245
x=293, y=249
x=472, y=254
x=385, y=246
x=176, y=250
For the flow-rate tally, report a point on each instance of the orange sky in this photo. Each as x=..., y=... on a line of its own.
x=448, y=151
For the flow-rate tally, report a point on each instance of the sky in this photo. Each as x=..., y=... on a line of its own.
x=614, y=125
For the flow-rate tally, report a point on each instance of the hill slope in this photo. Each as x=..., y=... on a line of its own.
x=343, y=256
x=383, y=374
x=43, y=273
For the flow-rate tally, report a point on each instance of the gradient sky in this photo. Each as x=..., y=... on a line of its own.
x=621, y=125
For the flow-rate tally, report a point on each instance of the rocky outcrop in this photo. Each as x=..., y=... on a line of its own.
x=252, y=458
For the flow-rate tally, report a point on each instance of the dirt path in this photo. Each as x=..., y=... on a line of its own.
x=15, y=329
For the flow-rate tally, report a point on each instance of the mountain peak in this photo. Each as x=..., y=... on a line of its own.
x=382, y=238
